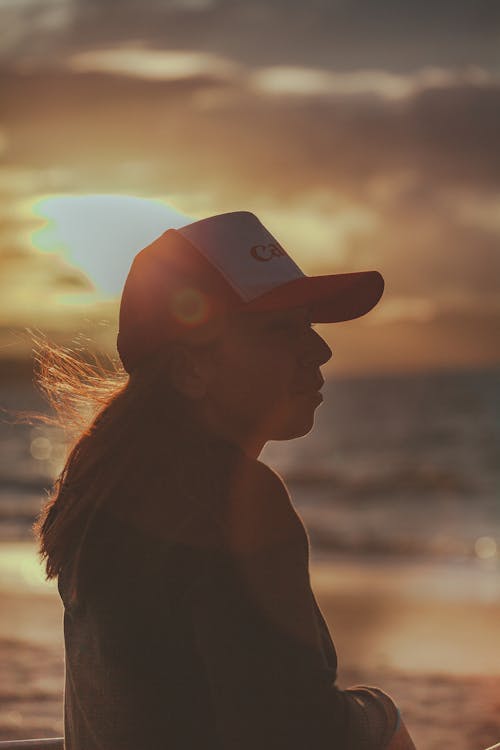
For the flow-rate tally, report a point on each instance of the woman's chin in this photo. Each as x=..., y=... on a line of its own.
x=300, y=421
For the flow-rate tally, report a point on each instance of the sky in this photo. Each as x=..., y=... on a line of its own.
x=364, y=136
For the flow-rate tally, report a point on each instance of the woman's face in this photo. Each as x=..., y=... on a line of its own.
x=263, y=379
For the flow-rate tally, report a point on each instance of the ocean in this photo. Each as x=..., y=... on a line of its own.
x=395, y=466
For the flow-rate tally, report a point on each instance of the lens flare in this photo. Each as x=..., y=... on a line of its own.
x=485, y=547
x=190, y=306
x=41, y=448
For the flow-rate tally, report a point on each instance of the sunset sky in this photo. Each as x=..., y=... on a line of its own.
x=365, y=135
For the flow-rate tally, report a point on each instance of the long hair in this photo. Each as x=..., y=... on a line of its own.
x=125, y=430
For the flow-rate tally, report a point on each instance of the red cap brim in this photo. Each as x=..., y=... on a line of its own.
x=332, y=298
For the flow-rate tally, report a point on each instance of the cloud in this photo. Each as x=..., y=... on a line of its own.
x=28, y=284
x=370, y=181
x=155, y=64
x=222, y=132
x=314, y=82
x=473, y=209
x=403, y=309
x=30, y=27
x=351, y=167
x=425, y=250
x=452, y=339
x=400, y=35
x=365, y=135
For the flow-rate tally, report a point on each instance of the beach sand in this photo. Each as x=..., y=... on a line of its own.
x=427, y=635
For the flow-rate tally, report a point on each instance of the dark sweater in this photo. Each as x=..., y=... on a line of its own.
x=176, y=641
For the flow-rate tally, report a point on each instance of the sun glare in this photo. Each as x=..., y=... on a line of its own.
x=100, y=234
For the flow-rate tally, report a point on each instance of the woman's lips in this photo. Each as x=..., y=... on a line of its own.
x=312, y=388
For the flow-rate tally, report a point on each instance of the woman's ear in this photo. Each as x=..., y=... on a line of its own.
x=187, y=370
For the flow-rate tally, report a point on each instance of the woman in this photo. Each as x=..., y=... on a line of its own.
x=183, y=567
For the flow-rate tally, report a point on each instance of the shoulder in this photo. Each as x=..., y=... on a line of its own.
x=264, y=564
x=260, y=510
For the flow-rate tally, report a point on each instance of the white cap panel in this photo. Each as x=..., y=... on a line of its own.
x=244, y=252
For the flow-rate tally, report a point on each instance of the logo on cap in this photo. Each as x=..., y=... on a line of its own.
x=266, y=252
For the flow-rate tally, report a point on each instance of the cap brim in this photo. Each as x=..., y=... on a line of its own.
x=332, y=298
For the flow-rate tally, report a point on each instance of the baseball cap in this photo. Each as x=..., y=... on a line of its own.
x=218, y=266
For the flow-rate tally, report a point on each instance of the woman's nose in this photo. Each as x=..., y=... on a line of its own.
x=316, y=350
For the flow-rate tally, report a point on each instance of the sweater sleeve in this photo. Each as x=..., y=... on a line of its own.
x=257, y=633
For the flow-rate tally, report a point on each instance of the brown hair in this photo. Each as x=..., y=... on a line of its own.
x=126, y=430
